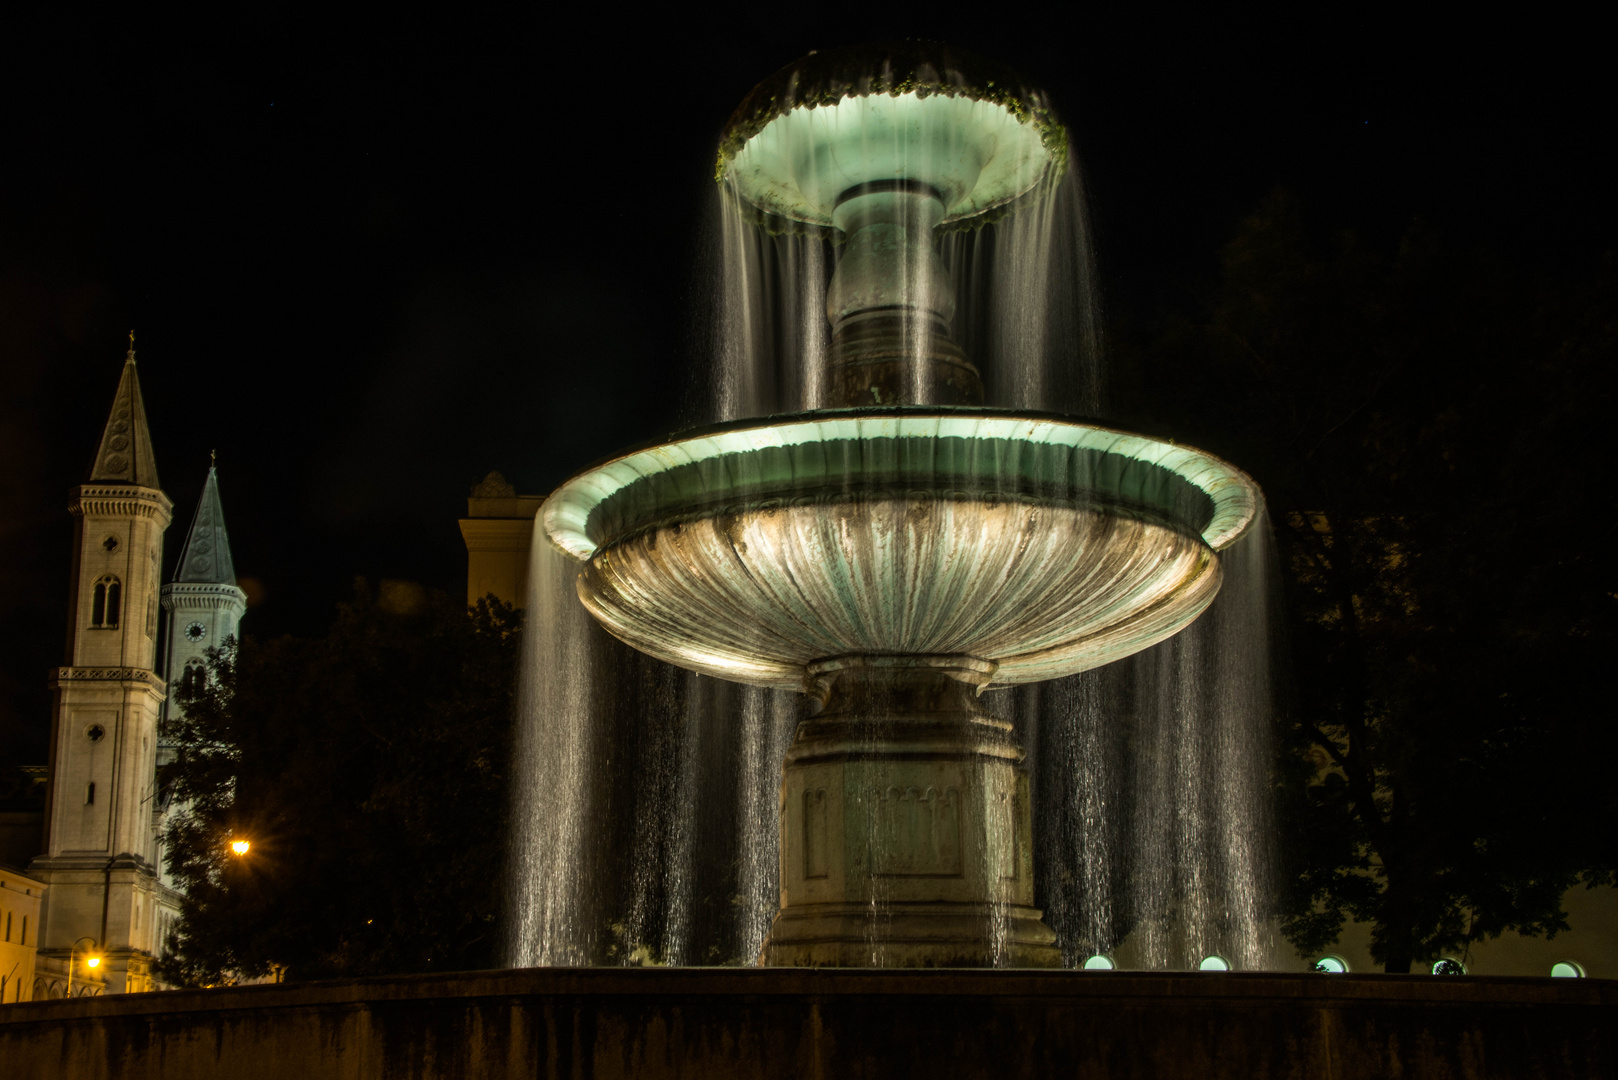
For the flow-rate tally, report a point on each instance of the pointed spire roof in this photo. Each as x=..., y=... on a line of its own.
x=125, y=456
x=206, y=555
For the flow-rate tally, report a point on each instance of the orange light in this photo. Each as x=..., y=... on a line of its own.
x=240, y=846
x=92, y=961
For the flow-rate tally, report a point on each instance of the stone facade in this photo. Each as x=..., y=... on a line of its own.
x=99, y=839
x=20, y=900
x=499, y=534
x=104, y=891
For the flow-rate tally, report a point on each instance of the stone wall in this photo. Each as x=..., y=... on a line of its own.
x=849, y=1025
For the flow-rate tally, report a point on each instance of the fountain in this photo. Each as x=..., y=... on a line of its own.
x=891, y=554
x=902, y=549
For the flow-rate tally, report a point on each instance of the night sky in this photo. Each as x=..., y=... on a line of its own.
x=369, y=262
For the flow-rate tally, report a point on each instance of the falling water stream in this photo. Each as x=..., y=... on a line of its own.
x=647, y=797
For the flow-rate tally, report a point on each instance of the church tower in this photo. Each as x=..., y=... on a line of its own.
x=205, y=608
x=100, y=848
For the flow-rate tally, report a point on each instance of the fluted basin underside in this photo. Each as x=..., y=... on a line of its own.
x=1039, y=590
x=1038, y=544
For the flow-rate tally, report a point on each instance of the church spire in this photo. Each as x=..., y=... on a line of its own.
x=125, y=455
x=205, y=559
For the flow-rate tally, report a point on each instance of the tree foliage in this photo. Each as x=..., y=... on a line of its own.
x=367, y=769
x=1429, y=427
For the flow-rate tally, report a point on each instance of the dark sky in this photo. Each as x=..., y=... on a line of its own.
x=368, y=262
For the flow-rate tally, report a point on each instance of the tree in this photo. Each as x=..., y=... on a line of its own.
x=1427, y=426
x=367, y=769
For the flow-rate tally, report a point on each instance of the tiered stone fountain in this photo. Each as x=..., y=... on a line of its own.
x=891, y=557
x=898, y=553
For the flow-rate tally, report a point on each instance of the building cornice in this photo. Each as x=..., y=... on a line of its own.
x=15, y=880
x=93, y=862
x=497, y=534
x=129, y=678
x=512, y=506
x=200, y=596
x=120, y=500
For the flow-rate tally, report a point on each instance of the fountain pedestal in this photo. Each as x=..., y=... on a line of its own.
x=906, y=838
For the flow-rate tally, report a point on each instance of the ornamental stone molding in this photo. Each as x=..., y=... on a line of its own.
x=188, y=596
x=126, y=675
x=119, y=500
x=498, y=534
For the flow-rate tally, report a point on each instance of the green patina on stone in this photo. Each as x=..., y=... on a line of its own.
x=922, y=68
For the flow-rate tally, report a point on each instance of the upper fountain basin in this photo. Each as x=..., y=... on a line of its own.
x=1039, y=544
x=917, y=113
x=975, y=154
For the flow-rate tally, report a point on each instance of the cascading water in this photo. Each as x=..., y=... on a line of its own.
x=1154, y=788
x=554, y=848
x=648, y=797
x=1029, y=305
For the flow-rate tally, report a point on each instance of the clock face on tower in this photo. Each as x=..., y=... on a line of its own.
x=196, y=632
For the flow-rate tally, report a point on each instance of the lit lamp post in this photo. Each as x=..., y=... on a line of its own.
x=91, y=960
x=240, y=847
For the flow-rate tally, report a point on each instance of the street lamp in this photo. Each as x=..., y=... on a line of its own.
x=91, y=961
x=239, y=847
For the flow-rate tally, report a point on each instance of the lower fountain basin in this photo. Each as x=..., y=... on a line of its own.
x=1038, y=544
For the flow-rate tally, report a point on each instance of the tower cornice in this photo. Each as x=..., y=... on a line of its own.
x=121, y=500
x=127, y=677
x=196, y=595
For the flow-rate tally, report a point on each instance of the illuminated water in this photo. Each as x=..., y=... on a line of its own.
x=1151, y=789
x=647, y=796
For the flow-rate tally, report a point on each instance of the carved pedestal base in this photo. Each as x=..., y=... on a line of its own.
x=906, y=839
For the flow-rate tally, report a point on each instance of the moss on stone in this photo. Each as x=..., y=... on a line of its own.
x=922, y=68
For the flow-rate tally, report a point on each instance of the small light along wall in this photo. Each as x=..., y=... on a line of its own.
x=1331, y=964
x=1099, y=962
x=1214, y=962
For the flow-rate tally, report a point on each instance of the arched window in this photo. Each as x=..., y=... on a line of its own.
x=195, y=677
x=106, y=603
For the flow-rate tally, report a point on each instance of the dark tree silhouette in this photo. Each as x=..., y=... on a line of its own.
x=367, y=769
x=1430, y=427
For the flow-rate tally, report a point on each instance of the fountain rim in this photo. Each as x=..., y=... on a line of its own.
x=1011, y=178
x=565, y=513
x=917, y=68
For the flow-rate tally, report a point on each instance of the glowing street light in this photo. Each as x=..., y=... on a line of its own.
x=91, y=960
x=240, y=846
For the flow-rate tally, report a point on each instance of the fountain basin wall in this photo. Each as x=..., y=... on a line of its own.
x=1043, y=545
x=721, y=1023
